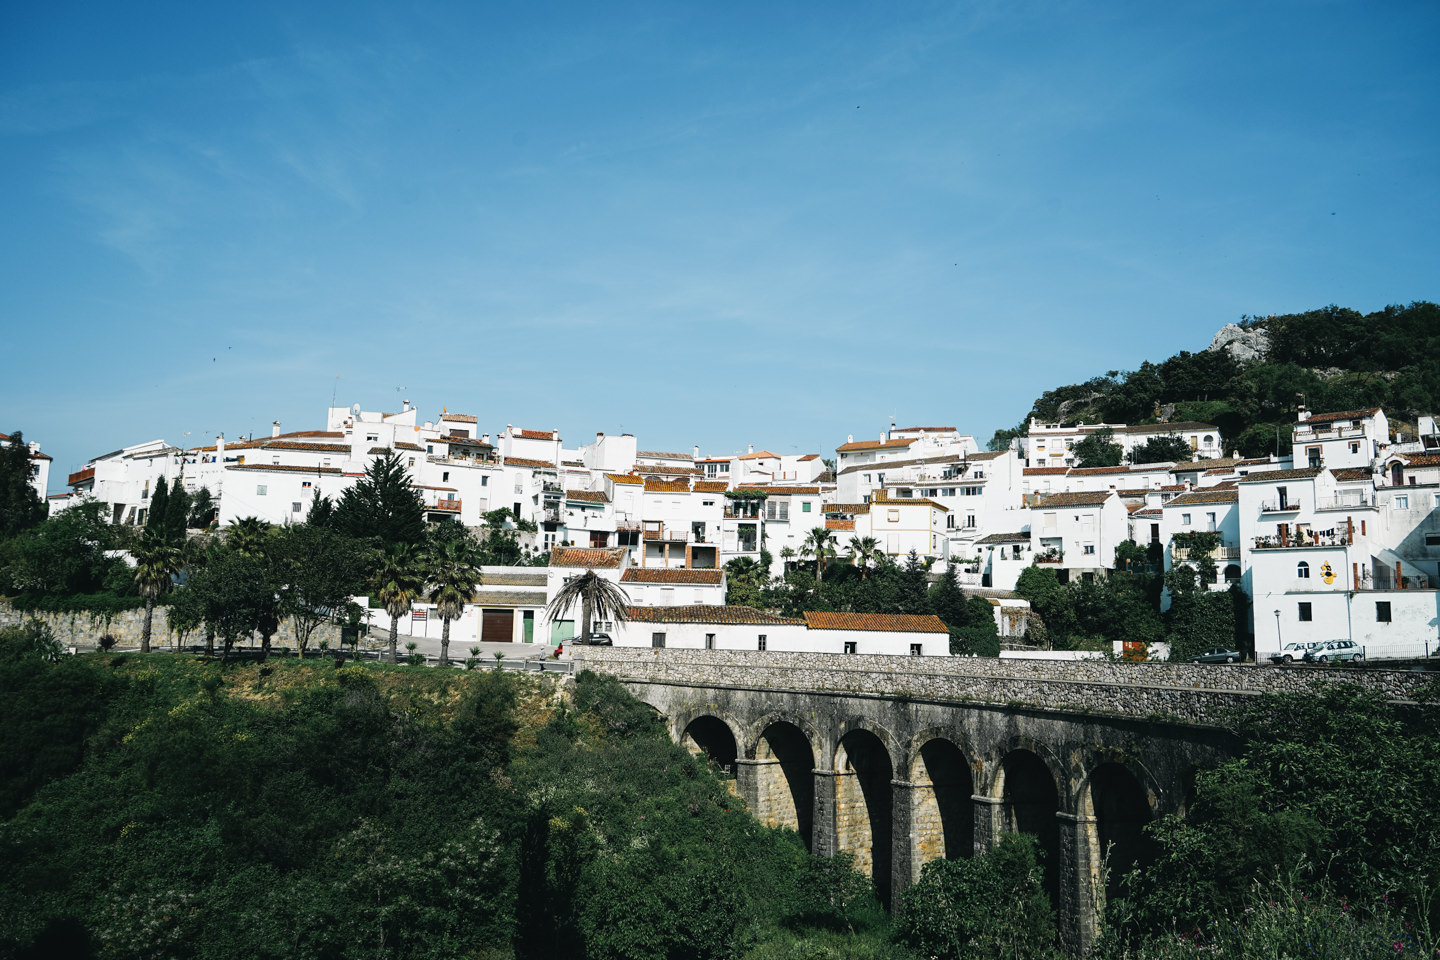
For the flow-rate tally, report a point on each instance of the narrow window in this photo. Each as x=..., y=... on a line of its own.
x=914, y=649
x=1302, y=570
x=1382, y=611
x=709, y=641
x=260, y=490
x=1304, y=613
x=762, y=644
x=657, y=640
x=849, y=646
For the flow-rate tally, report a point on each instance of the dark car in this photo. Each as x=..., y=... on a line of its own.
x=596, y=640
x=1217, y=655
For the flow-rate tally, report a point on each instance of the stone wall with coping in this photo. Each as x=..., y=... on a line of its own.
x=1195, y=693
x=84, y=630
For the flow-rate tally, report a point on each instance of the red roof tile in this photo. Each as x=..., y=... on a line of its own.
x=887, y=622
x=283, y=468
x=1089, y=499
x=705, y=577
x=535, y=434
x=872, y=445
x=597, y=557
x=656, y=485
x=526, y=462
x=707, y=613
x=710, y=486
x=624, y=478
x=1342, y=415
x=588, y=496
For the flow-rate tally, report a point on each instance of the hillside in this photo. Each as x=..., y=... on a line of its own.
x=1251, y=378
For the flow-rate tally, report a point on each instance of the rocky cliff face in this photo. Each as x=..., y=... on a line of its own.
x=1244, y=345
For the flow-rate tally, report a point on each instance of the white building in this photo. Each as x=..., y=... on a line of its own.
x=1078, y=532
x=1053, y=444
x=742, y=628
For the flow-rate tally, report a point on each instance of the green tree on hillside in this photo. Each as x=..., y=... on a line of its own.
x=156, y=563
x=1099, y=449
x=20, y=506
x=382, y=505
x=1161, y=450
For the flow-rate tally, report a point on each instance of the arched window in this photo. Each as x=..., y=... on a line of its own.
x=1232, y=573
x=1302, y=570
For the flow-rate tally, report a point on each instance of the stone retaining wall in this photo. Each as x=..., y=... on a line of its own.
x=84, y=630
x=1187, y=692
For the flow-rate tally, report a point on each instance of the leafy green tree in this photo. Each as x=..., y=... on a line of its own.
x=64, y=556
x=1162, y=450
x=454, y=573
x=248, y=536
x=820, y=544
x=202, y=509
x=159, y=507
x=322, y=511
x=235, y=593
x=398, y=581
x=382, y=505
x=1001, y=438
x=20, y=506
x=318, y=570
x=745, y=582
x=1199, y=620
x=993, y=906
x=598, y=598
x=1099, y=449
x=1050, y=600
x=913, y=586
x=156, y=563
x=31, y=640
x=863, y=552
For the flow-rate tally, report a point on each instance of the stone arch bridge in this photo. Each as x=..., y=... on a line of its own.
x=901, y=761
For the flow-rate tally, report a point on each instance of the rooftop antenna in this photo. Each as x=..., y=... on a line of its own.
x=334, y=389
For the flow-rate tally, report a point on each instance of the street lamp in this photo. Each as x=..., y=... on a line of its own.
x=1277, y=630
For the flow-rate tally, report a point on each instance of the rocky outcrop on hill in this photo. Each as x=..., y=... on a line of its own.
x=1245, y=345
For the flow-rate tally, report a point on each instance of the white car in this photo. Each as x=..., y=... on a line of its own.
x=1295, y=651
x=1336, y=650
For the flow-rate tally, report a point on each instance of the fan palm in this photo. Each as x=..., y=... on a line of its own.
x=820, y=544
x=399, y=581
x=863, y=552
x=454, y=573
x=598, y=598
x=247, y=536
x=156, y=563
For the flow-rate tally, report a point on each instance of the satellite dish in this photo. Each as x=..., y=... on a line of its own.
x=355, y=409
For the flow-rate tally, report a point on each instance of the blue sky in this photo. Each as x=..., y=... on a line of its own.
x=701, y=223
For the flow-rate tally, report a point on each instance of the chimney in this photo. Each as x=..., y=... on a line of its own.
x=850, y=438
x=485, y=439
x=1303, y=414
x=275, y=428
x=695, y=452
x=220, y=448
x=405, y=406
x=749, y=448
x=599, y=435
x=510, y=429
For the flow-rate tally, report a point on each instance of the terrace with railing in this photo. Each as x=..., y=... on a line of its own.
x=1305, y=538
x=1280, y=506
x=1222, y=552
x=1354, y=501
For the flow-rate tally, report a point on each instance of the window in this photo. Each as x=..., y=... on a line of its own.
x=484, y=481
x=709, y=641
x=412, y=461
x=1402, y=501
x=445, y=477
x=1354, y=448
x=1432, y=539
x=849, y=646
x=1088, y=549
x=949, y=491
x=305, y=485
x=805, y=507
x=950, y=521
x=1382, y=611
x=429, y=448
x=915, y=649
x=1184, y=519
x=893, y=516
x=260, y=490
x=657, y=641
x=970, y=520
x=1302, y=570
x=762, y=644
x=867, y=478
x=372, y=438
x=1210, y=521
x=707, y=503
x=905, y=493
x=295, y=506
x=1303, y=613
x=932, y=492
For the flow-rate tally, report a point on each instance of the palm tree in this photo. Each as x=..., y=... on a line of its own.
x=863, y=551
x=454, y=573
x=786, y=555
x=156, y=563
x=399, y=581
x=247, y=536
x=599, y=598
x=820, y=544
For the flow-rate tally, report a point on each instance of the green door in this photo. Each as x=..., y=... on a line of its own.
x=562, y=630
x=529, y=626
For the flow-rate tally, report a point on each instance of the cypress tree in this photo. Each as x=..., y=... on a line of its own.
x=20, y=506
x=177, y=512
x=159, y=507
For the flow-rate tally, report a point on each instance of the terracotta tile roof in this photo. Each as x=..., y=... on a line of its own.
x=1044, y=471
x=588, y=496
x=1209, y=495
x=1351, y=474
x=708, y=613
x=927, y=430
x=510, y=577
x=705, y=577
x=955, y=458
x=1005, y=538
x=1414, y=460
x=782, y=489
x=509, y=598
x=1270, y=476
x=888, y=622
x=1188, y=466
x=1132, y=492
x=656, y=485
x=1342, y=415
x=710, y=486
x=527, y=462
x=458, y=417
x=810, y=456
x=624, y=478
x=872, y=445
x=535, y=434
x=1097, y=471
x=987, y=455
x=402, y=445
x=421, y=486
x=663, y=455
x=847, y=508
x=1171, y=487
x=1226, y=485
x=759, y=455
x=1148, y=512
x=647, y=469
x=309, y=447
x=1089, y=499
x=1258, y=461
x=464, y=442
x=607, y=558
x=80, y=476
x=712, y=460
x=1179, y=426
x=59, y=496
x=835, y=523
x=283, y=468
x=882, y=498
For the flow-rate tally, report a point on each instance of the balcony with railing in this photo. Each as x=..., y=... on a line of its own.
x=446, y=505
x=1052, y=557
x=1280, y=506
x=1356, y=501
x=1222, y=552
x=743, y=510
x=1302, y=540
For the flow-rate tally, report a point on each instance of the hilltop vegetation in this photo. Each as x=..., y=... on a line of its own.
x=1334, y=358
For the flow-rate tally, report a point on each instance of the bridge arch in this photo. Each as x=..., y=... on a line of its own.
x=941, y=775
x=709, y=733
x=781, y=752
x=1032, y=787
x=864, y=773
x=1116, y=801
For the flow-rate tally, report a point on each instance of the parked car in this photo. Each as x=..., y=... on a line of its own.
x=1335, y=650
x=1295, y=651
x=596, y=640
x=1217, y=655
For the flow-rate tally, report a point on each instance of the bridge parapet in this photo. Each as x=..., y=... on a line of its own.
x=1190, y=693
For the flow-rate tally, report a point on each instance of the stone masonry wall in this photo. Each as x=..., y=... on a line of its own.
x=1194, y=693
x=83, y=630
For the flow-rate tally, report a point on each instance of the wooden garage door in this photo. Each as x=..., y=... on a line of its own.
x=498, y=626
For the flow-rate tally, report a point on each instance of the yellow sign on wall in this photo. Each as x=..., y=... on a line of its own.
x=1327, y=574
